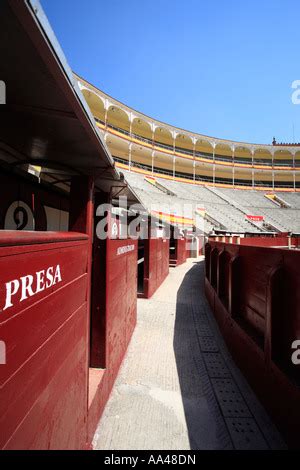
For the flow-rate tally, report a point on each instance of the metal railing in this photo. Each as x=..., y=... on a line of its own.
x=208, y=179
x=207, y=156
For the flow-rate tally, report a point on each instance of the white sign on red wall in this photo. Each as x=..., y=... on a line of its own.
x=30, y=285
x=255, y=218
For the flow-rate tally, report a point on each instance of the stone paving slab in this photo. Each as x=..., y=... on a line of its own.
x=169, y=393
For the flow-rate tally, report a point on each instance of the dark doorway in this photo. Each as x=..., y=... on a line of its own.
x=141, y=266
x=173, y=247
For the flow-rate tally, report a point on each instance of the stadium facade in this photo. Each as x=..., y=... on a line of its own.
x=140, y=142
x=69, y=297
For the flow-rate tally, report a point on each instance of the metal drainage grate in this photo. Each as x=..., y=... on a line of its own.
x=215, y=365
x=230, y=399
x=203, y=329
x=245, y=434
x=200, y=317
x=208, y=344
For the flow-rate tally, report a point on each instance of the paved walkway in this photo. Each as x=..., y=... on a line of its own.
x=178, y=387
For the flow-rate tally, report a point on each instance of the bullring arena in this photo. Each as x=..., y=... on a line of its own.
x=149, y=275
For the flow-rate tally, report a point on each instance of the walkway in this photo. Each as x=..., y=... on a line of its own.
x=178, y=387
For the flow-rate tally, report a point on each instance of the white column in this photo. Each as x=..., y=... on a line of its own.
x=294, y=169
x=214, y=149
x=194, y=156
x=294, y=152
x=174, y=160
x=130, y=125
x=152, y=158
x=129, y=161
x=194, y=147
x=153, y=133
x=174, y=134
x=174, y=141
x=106, y=111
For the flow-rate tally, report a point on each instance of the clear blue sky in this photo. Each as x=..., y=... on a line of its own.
x=221, y=68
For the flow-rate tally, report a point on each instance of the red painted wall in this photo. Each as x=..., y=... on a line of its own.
x=43, y=385
x=254, y=294
x=265, y=241
x=276, y=241
x=50, y=397
x=33, y=195
x=156, y=264
x=114, y=310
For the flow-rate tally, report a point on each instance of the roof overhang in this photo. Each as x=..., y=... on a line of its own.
x=46, y=121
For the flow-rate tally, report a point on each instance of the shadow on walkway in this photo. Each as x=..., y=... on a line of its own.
x=205, y=425
x=216, y=411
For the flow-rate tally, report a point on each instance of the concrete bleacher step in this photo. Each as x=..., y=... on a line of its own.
x=236, y=206
x=225, y=207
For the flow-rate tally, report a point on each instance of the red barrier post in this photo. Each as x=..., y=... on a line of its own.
x=45, y=326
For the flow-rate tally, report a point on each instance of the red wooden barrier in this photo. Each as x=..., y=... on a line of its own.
x=32, y=205
x=156, y=264
x=265, y=241
x=254, y=293
x=279, y=240
x=43, y=321
x=182, y=250
x=114, y=310
x=51, y=398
